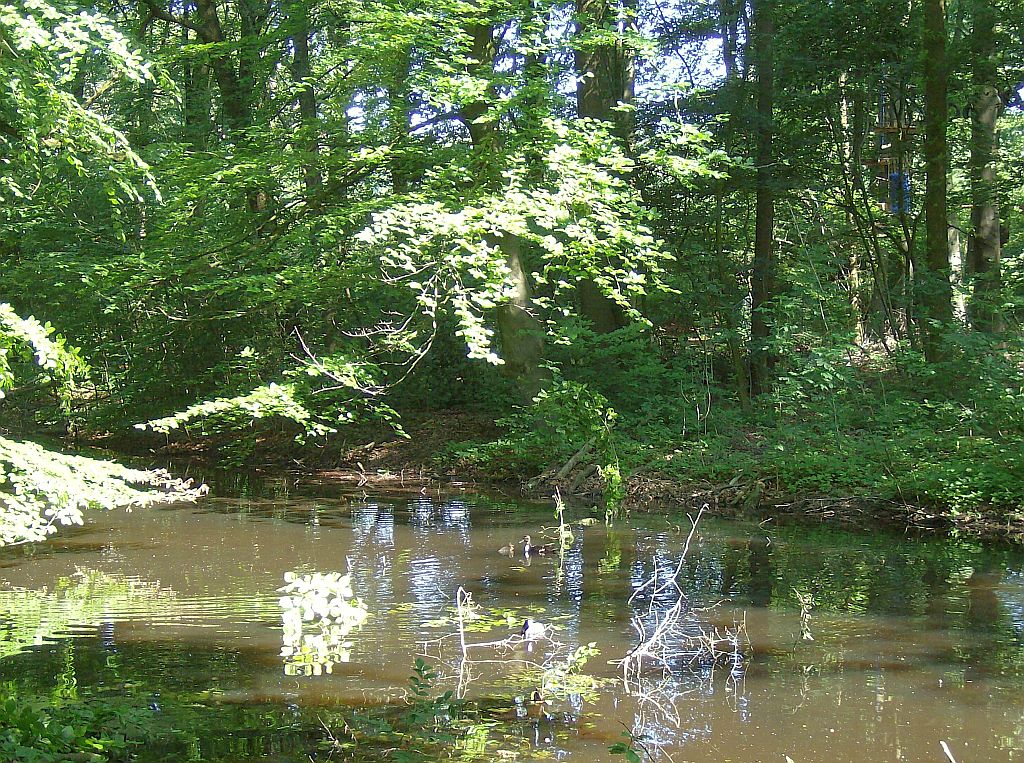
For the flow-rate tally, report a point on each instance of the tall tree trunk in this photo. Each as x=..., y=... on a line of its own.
x=235, y=74
x=195, y=98
x=728, y=24
x=234, y=98
x=606, y=72
x=603, y=80
x=252, y=15
x=846, y=143
x=484, y=133
x=399, y=117
x=762, y=272
x=625, y=62
x=306, y=97
x=522, y=334
x=734, y=297
x=984, y=251
x=520, y=331
x=934, y=290
x=957, y=246
x=537, y=88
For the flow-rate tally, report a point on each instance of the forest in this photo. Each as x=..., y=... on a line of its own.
x=763, y=256
x=772, y=243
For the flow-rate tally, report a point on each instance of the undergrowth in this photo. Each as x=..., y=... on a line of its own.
x=891, y=427
x=84, y=730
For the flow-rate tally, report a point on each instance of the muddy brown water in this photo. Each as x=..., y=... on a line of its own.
x=914, y=641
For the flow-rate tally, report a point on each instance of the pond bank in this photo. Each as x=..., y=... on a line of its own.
x=442, y=447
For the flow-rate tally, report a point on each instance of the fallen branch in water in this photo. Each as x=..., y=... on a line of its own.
x=676, y=633
x=463, y=663
x=945, y=749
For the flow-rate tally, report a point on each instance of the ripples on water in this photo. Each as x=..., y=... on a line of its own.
x=914, y=641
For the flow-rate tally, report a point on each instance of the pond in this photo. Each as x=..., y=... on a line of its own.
x=177, y=612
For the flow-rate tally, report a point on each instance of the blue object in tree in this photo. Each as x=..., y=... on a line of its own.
x=899, y=193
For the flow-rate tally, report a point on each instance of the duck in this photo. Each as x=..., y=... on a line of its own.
x=508, y=549
x=533, y=630
x=534, y=705
x=529, y=548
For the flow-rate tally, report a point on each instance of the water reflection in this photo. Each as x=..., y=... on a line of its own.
x=373, y=523
x=85, y=599
x=318, y=613
x=914, y=641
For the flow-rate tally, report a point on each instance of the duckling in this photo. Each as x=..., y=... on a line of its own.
x=533, y=630
x=508, y=550
x=529, y=548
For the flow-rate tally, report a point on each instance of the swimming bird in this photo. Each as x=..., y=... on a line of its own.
x=508, y=550
x=529, y=548
x=533, y=706
x=536, y=705
x=533, y=630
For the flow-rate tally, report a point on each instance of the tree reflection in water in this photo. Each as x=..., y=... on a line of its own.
x=318, y=612
x=89, y=598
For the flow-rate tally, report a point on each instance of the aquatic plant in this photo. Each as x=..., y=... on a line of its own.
x=630, y=748
x=430, y=726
